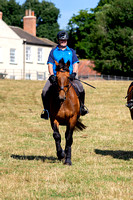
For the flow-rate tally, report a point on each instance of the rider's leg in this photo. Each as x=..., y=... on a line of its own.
x=78, y=85
x=45, y=100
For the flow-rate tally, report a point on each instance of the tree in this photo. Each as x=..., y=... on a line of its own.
x=47, y=15
x=105, y=36
x=79, y=29
x=112, y=39
x=12, y=12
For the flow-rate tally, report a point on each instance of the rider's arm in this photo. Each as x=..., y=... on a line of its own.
x=75, y=61
x=75, y=67
x=50, y=68
x=50, y=62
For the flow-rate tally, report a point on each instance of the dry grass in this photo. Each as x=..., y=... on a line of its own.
x=102, y=155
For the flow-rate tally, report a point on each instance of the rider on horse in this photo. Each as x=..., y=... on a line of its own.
x=56, y=54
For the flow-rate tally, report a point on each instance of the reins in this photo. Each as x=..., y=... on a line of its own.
x=85, y=83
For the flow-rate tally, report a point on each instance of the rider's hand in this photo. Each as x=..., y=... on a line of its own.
x=52, y=79
x=72, y=76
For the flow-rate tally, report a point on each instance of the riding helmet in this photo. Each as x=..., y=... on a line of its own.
x=62, y=35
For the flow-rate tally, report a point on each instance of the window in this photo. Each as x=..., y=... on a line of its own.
x=41, y=76
x=28, y=54
x=28, y=76
x=40, y=55
x=12, y=77
x=12, y=55
x=1, y=55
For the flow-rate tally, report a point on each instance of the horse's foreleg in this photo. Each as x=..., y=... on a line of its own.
x=57, y=138
x=69, y=141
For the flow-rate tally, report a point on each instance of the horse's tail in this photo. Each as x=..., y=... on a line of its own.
x=80, y=126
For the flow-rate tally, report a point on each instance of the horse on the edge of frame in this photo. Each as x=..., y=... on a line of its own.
x=130, y=99
x=64, y=110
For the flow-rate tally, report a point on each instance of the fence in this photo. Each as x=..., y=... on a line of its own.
x=17, y=74
x=36, y=75
x=105, y=77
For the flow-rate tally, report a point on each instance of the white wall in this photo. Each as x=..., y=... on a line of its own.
x=9, y=39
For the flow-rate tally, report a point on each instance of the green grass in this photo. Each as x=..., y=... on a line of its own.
x=102, y=155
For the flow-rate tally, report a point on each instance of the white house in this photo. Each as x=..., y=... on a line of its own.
x=22, y=54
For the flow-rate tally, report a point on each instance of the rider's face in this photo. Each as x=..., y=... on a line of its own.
x=63, y=43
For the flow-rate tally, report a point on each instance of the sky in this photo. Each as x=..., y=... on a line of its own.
x=68, y=8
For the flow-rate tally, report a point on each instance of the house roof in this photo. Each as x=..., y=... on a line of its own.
x=48, y=41
x=30, y=39
x=86, y=67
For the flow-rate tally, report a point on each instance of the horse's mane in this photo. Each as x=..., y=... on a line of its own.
x=131, y=85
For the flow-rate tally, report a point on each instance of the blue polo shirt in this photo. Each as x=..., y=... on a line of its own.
x=67, y=54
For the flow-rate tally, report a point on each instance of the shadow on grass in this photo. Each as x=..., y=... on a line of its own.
x=124, y=155
x=42, y=158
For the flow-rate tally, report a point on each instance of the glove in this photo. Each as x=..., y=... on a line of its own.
x=72, y=76
x=52, y=79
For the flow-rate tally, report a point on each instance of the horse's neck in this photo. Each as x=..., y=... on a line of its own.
x=74, y=88
x=130, y=93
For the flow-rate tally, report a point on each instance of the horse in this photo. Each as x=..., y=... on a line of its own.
x=64, y=110
x=130, y=99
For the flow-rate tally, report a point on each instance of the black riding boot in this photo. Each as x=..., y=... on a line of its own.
x=83, y=109
x=45, y=112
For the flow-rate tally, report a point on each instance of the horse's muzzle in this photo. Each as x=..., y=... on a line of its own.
x=62, y=95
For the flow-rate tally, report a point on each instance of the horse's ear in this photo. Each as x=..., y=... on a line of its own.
x=61, y=61
x=68, y=63
x=56, y=63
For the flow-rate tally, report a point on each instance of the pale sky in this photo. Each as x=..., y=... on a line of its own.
x=68, y=8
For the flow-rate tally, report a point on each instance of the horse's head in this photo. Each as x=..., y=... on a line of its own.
x=62, y=73
x=130, y=99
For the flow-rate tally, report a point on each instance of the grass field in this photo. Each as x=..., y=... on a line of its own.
x=102, y=155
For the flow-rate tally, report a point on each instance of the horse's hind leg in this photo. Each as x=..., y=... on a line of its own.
x=57, y=138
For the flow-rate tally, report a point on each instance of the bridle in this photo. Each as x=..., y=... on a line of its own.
x=65, y=86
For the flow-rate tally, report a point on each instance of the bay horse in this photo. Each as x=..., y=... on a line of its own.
x=64, y=110
x=130, y=99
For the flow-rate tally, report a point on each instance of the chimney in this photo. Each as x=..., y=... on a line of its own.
x=1, y=15
x=29, y=22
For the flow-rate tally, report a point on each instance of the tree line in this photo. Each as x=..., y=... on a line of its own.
x=103, y=34
x=46, y=14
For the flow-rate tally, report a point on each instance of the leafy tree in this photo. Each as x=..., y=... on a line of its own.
x=100, y=5
x=47, y=15
x=106, y=36
x=79, y=29
x=112, y=38
x=12, y=12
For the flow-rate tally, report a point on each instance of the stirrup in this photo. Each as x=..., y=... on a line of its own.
x=45, y=114
x=84, y=110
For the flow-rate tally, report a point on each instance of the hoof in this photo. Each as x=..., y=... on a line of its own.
x=68, y=162
x=61, y=155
